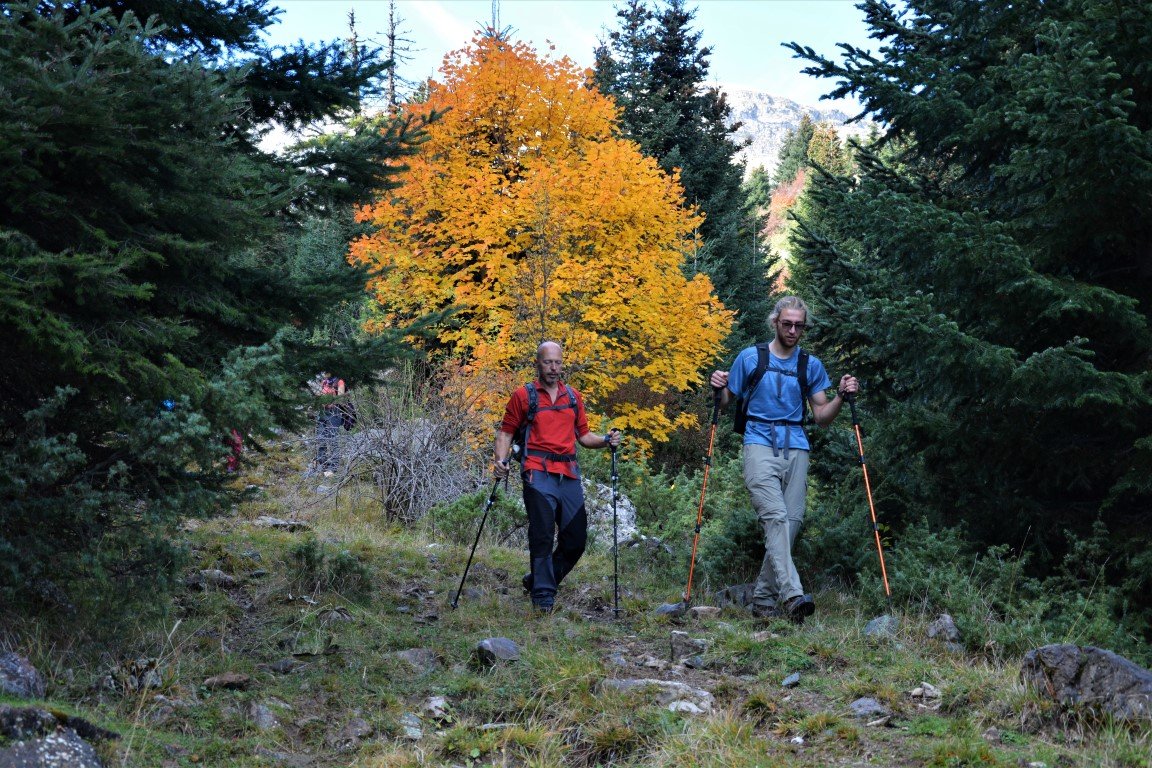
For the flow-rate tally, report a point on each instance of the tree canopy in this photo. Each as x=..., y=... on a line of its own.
x=987, y=273
x=141, y=229
x=528, y=215
x=655, y=68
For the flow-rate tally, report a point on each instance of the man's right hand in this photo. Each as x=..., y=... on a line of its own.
x=719, y=379
x=500, y=469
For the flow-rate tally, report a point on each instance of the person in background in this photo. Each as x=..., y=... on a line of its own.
x=329, y=421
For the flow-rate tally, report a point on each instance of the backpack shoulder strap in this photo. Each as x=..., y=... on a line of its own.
x=761, y=367
x=533, y=401
x=802, y=378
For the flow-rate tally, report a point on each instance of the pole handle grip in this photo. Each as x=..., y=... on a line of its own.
x=851, y=398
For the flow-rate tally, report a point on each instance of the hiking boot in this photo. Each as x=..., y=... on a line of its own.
x=799, y=608
x=765, y=611
x=526, y=582
x=543, y=607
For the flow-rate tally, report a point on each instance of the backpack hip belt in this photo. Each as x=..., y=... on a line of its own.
x=558, y=457
x=772, y=433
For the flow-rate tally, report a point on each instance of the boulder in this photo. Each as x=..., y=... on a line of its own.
x=62, y=747
x=737, y=595
x=1090, y=677
x=666, y=692
x=944, y=628
x=19, y=678
x=495, y=650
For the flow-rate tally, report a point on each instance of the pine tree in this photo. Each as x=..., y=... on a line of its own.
x=143, y=288
x=656, y=70
x=794, y=151
x=987, y=274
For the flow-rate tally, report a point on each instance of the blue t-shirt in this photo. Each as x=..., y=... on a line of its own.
x=777, y=396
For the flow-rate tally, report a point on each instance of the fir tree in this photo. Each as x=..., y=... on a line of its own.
x=987, y=273
x=656, y=70
x=144, y=291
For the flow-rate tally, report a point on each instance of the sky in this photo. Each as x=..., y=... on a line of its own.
x=745, y=35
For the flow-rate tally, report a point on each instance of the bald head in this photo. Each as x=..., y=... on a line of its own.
x=548, y=349
x=549, y=363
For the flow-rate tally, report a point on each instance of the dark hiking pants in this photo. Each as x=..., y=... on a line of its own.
x=555, y=506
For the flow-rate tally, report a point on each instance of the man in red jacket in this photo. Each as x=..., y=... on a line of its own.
x=553, y=495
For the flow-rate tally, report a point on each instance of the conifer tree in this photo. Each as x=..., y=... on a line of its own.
x=794, y=151
x=144, y=289
x=987, y=273
x=656, y=69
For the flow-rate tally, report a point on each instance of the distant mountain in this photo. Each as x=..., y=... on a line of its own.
x=767, y=119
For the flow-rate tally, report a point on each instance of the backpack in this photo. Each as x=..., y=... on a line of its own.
x=520, y=436
x=348, y=415
x=740, y=414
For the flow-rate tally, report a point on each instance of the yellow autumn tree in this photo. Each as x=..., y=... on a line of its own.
x=528, y=215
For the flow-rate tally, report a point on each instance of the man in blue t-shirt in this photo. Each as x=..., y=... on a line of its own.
x=776, y=450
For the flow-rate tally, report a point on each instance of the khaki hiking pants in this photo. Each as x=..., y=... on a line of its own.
x=779, y=489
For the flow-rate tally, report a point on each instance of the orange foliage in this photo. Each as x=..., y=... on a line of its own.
x=527, y=214
x=783, y=198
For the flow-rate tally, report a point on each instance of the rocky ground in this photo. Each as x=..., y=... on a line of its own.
x=320, y=635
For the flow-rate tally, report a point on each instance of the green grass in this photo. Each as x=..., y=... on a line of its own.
x=339, y=600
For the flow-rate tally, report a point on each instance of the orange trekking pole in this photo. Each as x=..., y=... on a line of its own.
x=703, y=489
x=851, y=398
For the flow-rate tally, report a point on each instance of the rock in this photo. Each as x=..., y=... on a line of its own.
x=1090, y=677
x=616, y=660
x=210, y=577
x=411, y=725
x=421, y=660
x=435, y=707
x=791, y=681
x=25, y=722
x=494, y=650
x=59, y=748
x=683, y=646
x=738, y=595
x=764, y=636
x=666, y=691
x=354, y=731
x=671, y=609
x=685, y=706
x=19, y=678
x=264, y=521
x=229, y=681
x=943, y=628
x=28, y=722
x=882, y=626
x=867, y=707
x=703, y=612
x=262, y=717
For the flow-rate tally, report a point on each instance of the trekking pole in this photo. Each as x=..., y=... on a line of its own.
x=615, y=539
x=480, y=530
x=851, y=398
x=703, y=489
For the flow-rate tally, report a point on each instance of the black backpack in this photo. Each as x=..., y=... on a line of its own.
x=740, y=414
x=520, y=436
